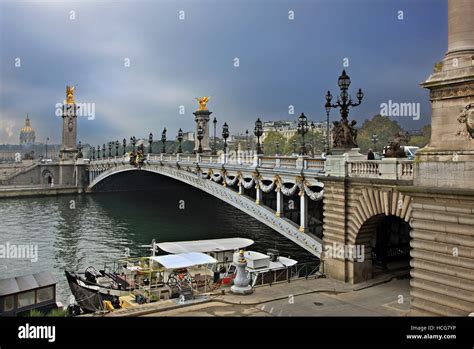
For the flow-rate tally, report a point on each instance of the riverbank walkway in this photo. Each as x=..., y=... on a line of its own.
x=387, y=295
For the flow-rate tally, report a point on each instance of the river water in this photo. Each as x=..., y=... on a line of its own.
x=73, y=232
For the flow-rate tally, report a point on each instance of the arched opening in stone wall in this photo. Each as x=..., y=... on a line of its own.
x=386, y=241
x=47, y=177
x=315, y=216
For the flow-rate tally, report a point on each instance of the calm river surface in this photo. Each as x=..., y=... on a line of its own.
x=75, y=231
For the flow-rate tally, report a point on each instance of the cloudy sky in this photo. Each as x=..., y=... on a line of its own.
x=282, y=62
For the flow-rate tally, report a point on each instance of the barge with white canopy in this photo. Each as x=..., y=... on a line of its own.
x=263, y=268
x=148, y=279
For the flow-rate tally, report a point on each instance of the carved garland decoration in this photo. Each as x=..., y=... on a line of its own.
x=216, y=177
x=247, y=184
x=315, y=196
x=256, y=179
x=231, y=181
x=265, y=188
x=289, y=191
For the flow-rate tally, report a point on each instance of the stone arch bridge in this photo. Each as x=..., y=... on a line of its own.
x=352, y=203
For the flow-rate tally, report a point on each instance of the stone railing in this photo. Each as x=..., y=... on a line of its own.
x=383, y=169
x=288, y=162
x=11, y=170
x=405, y=169
x=268, y=162
x=315, y=164
x=390, y=169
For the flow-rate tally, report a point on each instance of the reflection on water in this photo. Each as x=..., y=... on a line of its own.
x=73, y=232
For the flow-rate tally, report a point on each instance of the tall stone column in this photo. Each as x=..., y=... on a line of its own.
x=443, y=196
x=202, y=116
x=69, y=131
x=448, y=161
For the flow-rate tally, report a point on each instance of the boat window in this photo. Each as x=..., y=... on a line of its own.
x=26, y=298
x=45, y=294
x=8, y=303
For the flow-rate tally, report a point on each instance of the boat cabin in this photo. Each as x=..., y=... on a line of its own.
x=19, y=295
x=220, y=249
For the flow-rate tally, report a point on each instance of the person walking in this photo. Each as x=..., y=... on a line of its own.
x=370, y=155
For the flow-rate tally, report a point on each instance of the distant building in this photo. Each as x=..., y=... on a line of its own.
x=188, y=136
x=27, y=133
x=286, y=128
x=289, y=128
x=242, y=137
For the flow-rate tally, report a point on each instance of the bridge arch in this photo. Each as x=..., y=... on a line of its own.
x=47, y=177
x=100, y=172
x=380, y=216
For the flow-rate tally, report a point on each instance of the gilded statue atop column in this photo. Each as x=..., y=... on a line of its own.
x=70, y=95
x=202, y=102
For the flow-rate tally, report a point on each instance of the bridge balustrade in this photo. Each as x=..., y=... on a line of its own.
x=315, y=164
x=396, y=169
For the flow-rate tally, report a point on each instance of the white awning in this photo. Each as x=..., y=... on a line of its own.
x=183, y=260
x=213, y=245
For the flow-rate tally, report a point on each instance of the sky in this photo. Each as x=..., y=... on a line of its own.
x=142, y=63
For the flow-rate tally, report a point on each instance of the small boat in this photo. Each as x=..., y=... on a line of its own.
x=189, y=267
x=263, y=268
x=147, y=278
x=22, y=294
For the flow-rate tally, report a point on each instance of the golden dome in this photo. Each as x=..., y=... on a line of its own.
x=27, y=127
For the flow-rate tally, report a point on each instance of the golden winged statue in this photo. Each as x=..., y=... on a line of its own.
x=202, y=102
x=70, y=95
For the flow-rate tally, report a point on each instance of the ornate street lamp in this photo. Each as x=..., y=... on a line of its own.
x=124, y=143
x=247, y=139
x=225, y=135
x=375, y=139
x=133, y=140
x=93, y=153
x=79, y=150
x=46, y=148
x=180, y=139
x=98, y=152
x=328, y=110
x=117, y=145
x=110, y=149
x=258, y=132
x=150, y=140
x=214, y=147
x=163, y=140
x=103, y=150
x=345, y=133
x=302, y=130
x=200, y=135
x=312, y=137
